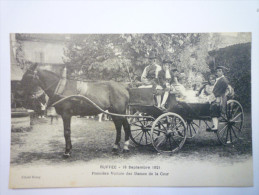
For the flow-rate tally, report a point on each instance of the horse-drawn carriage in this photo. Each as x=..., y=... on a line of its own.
x=168, y=129
x=165, y=130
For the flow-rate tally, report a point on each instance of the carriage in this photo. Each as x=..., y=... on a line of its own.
x=167, y=130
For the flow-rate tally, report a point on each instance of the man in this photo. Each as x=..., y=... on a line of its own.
x=219, y=91
x=165, y=78
x=149, y=77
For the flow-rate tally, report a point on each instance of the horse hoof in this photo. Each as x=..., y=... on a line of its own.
x=66, y=155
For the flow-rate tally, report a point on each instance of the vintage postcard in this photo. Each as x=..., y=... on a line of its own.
x=170, y=109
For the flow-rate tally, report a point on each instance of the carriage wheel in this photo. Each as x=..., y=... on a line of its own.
x=192, y=128
x=140, y=130
x=231, y=123
x=168, y=133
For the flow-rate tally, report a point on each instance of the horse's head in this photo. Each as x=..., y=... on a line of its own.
x=29, y=82
x=38, y=77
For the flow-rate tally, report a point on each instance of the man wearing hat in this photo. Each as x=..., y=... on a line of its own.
x=219, y=91
x=149, y=76
x=164, y=78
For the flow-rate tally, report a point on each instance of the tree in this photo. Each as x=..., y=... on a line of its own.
x=122, y=57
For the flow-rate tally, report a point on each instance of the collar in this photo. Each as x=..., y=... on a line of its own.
x=219, y=77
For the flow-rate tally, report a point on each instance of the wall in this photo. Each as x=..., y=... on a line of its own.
x=44, y=52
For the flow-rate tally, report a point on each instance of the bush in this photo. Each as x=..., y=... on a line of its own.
x=237, y=58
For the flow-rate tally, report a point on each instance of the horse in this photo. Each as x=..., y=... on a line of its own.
x=108, y=95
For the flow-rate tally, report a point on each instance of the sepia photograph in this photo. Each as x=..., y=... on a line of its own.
x=131, y=109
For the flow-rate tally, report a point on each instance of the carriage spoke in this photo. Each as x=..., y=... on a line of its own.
x=234, y=108
x=160, y=131
x=176, y=126
x=141, y=122
x=236, y=111
x=146, y=137
x=228, y=112
x=160, y=142
x=223, y=134
x=189, y=128
x=236, y=117
x=175, y=142
x=170, y=143
x=163, y=126
x=226, y=136
x=194, y=128
x=136, y=124
x=193, y=123
x=238, y=121
x=223, y=117
x=223, y=128
x=230, y=135
x=234, y=132
x=157, y=132
x=237, y=128
x=141, y=137
x=136, y=129
x=148, y=123
x=137, y=135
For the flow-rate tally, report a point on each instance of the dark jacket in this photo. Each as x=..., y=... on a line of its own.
x=220, y=87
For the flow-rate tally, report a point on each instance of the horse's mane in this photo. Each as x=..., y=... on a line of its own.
x=50, y=73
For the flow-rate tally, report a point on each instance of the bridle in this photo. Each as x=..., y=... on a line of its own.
x=36, y=77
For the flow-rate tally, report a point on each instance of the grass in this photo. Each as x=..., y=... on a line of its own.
x=44, y=144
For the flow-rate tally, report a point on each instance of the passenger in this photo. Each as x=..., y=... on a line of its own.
x=165, y=78
x=206, y=92
x=177, y=84
x=219, y=91
x=186, y=94
x=150, y=77
x=175, y=75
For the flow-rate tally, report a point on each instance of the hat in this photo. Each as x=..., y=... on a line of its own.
x=221, y=67
x=174, y=69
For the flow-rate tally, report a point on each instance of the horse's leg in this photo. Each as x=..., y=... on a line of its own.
x=67, y=134
x=100, y=116
x=126, y=128
x=118, y=124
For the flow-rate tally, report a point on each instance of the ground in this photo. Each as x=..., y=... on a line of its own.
x=37, y=159
x=44, y=144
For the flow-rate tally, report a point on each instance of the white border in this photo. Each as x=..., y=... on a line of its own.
x=123, y=17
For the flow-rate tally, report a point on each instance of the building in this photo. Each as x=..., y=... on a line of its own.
x=45, y=49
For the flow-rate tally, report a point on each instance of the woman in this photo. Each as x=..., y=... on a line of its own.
x=206, y=92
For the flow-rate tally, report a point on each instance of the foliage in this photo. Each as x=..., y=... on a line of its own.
x=122, y=57
x=237, y=58
x=20, y=55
